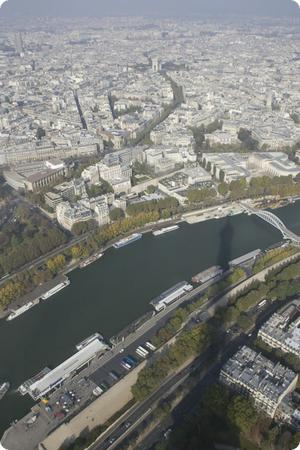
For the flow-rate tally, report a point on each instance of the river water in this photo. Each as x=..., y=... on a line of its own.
x=109, y=294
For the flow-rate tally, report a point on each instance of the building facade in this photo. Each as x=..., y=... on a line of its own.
x=68, y=215
x=282, y=330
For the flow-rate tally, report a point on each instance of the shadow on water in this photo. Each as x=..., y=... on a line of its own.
x=225, y=249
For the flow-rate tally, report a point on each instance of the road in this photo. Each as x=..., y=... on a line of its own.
x=113, y=437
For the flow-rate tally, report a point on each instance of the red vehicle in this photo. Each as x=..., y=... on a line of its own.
x=59, y=414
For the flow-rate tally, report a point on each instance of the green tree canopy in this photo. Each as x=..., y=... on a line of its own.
x=116, y=214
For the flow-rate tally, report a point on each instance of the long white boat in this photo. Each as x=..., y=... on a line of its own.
x=165, y=230
x=88, y=340
x=128, y=240
x=56, y=289
x=4, y=387
x=19, y=311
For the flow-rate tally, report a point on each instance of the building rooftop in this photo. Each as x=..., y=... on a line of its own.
x=64, y=370
x=258, y=373
x=283, y=328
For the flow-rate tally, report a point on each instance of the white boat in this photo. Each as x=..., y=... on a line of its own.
x=165, y=230
x=90, y=260
x=19, y=311
x=89, y=340
x=134, y=237
x=4, y=387
x=56, y=289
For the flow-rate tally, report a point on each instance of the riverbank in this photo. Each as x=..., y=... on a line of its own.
x=191, y=217
x=33, y=296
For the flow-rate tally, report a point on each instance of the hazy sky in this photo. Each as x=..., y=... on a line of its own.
x=149, y=7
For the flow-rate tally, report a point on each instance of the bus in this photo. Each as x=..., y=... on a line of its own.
x=142, y=349
x=261, y=304
x=140, y=353
x=150, y=346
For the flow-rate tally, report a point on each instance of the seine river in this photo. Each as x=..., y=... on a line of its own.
x=109, y=294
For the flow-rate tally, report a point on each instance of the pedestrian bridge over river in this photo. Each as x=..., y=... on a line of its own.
x=273, y=220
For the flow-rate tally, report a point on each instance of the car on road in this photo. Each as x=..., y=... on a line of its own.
x=59, y=414
x=125, y=365
x=97, y=391
x=104, y=386
x=114, y=375
x=131, y=360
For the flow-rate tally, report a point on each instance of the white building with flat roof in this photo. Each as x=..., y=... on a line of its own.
x=243, y=165
x=273, y=164
x=233, y=165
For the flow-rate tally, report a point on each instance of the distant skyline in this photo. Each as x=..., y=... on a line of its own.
x=149, y=7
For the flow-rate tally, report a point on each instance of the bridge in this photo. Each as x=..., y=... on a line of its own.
x=273, y=220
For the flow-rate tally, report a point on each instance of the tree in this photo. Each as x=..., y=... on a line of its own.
x=296, y=118
x=161, y=446
x=222, y=175
x=80, y=228
x=99, y=189
x=76, y=252
x=10, y=291
x=238, y=188
x=231, y=314
x=189, y=343
x=200, y=195
x=244, y=322
x=168, y=204
x=40, y=133
x=294, y=441
x=4, y=240
x=245, y=136
x=223, y=189
x=242, y=413
x=116, y=214
x=151, y=189
x=216, y=399
x=56, y=264
x=41, y=276
x=214, y=126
